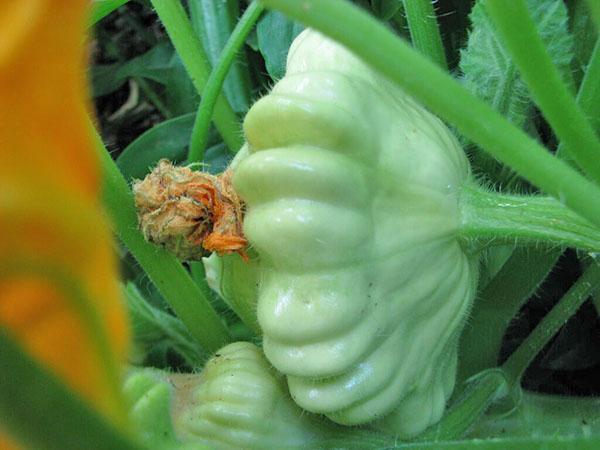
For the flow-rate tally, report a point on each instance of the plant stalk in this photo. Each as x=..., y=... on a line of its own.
x=514, y=25
x=494, y=218
x=446, y=97
x=190, y=50
x=523, y=272
x=213, y=23
x=424, y=30
x=568, y=305
x=165, y=271
x=214, y=85
x=475, y=400
x=496, y=306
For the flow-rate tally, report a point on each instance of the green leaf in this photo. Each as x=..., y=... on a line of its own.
x=42, y=413
x=159, y=64
x=489, y=72
x=168, y=139
x=213, y=22
x=275, y=34
x=103, y=79
x=487, y=67
x=154, y=328
x=216, y=158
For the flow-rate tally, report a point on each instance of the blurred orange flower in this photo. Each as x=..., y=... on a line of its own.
x=59, y=293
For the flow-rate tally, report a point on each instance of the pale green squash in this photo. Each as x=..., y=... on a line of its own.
x=237, y=401
x=352, y=205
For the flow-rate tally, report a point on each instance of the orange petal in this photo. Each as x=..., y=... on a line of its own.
x=59, y=294
x=43, y=99
x=45, y=253
x=6, y=444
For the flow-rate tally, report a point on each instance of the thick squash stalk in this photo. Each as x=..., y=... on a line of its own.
x=352, y=192
x=237, y=401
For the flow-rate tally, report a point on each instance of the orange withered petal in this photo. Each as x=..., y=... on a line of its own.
x=190, y=212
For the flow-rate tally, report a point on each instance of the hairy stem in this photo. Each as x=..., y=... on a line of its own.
x=493, y=218
x=424, y=30
x=497, y=304
x=474, y=401
x=445, y=96
x=515, y=26
x=163, y=269
x=544, y=414
x=190, y=50
x=216, y=79
x=523, y=272
x=520, y=359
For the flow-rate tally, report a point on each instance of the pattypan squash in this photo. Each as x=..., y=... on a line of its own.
x=237, y=401
x=351, y=192
x=149, y=393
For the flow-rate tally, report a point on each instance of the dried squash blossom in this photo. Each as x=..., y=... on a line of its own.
x=190, y=213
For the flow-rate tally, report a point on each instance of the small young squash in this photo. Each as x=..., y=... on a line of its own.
x=351, y=190
x=237, y=401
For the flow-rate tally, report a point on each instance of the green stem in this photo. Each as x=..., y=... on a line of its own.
x=523, y=272
x=490, y=217
x=214, y=22
x=588, y=97
x=424, y=30
x=474, y=401
x=538, y=442
x=163, y=269
x=515, y=26
x=544, y=414
x=594, y=7
x=191, y=52
x=40, y=411
x=497, y=304
x=516, y=364
x=216, y=79
x=445, y=96
x=153, y=97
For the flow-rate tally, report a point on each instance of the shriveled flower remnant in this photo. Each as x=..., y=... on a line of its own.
x=189, y=212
